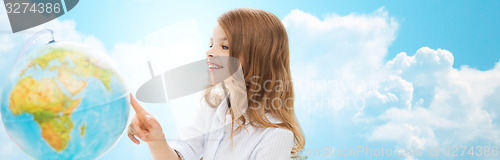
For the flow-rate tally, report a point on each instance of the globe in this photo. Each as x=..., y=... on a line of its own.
x=64, y=100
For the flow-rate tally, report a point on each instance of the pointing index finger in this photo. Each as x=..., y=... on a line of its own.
x=137, y=107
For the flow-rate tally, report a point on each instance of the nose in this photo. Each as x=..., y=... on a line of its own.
x=209, y=53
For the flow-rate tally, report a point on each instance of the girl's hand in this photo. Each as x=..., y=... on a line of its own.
x=148, y=129
x=144, y=126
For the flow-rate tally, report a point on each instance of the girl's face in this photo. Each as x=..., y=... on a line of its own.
x=219, y=46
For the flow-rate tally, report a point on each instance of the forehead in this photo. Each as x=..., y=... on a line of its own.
x=218, y=34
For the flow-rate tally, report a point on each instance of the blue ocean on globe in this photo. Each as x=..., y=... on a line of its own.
x=64, y=100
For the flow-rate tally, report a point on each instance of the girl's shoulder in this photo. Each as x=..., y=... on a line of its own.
x=275, y=130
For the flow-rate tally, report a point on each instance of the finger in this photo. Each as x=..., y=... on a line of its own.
x=137, y=107
x=149, y=121
x=137, y=131
x=132, y=137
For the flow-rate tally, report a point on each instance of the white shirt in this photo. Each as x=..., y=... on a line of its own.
x=208, y=136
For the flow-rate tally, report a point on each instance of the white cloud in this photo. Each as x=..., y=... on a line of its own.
x=458, y=111
x=355, y=43
x=415, y=137
x=339, y=58
x=416, y=100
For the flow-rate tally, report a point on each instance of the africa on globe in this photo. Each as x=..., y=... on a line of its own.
x=64, y=100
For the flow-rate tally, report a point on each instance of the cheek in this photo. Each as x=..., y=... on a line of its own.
x=225, y=52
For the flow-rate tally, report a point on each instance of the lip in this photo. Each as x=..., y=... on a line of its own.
x=213, y=66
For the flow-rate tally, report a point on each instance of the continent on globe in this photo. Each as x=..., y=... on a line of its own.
x=64, y=100
x=73, y=63
x=45, y=99
x=50, y=107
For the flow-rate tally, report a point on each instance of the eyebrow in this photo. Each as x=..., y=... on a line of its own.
x=223, y=39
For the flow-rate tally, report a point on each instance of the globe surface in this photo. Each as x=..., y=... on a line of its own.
x=64, y=100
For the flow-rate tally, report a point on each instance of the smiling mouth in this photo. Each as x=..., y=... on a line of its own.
x=214, y=66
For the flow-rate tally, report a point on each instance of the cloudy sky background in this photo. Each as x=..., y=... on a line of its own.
x=395, y=75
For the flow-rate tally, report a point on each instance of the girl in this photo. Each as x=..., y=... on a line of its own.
x=267, y=127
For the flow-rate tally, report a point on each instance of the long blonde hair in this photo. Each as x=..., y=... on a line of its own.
x=259, y=40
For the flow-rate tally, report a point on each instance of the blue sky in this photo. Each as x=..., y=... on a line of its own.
x=437, y=24
x=391, y=74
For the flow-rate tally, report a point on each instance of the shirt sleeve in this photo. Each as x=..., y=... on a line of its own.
x=190, y=144
x=185, y=151
x=276, y=145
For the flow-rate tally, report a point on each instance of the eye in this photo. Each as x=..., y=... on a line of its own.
x=225, y=47
x=210, y=46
